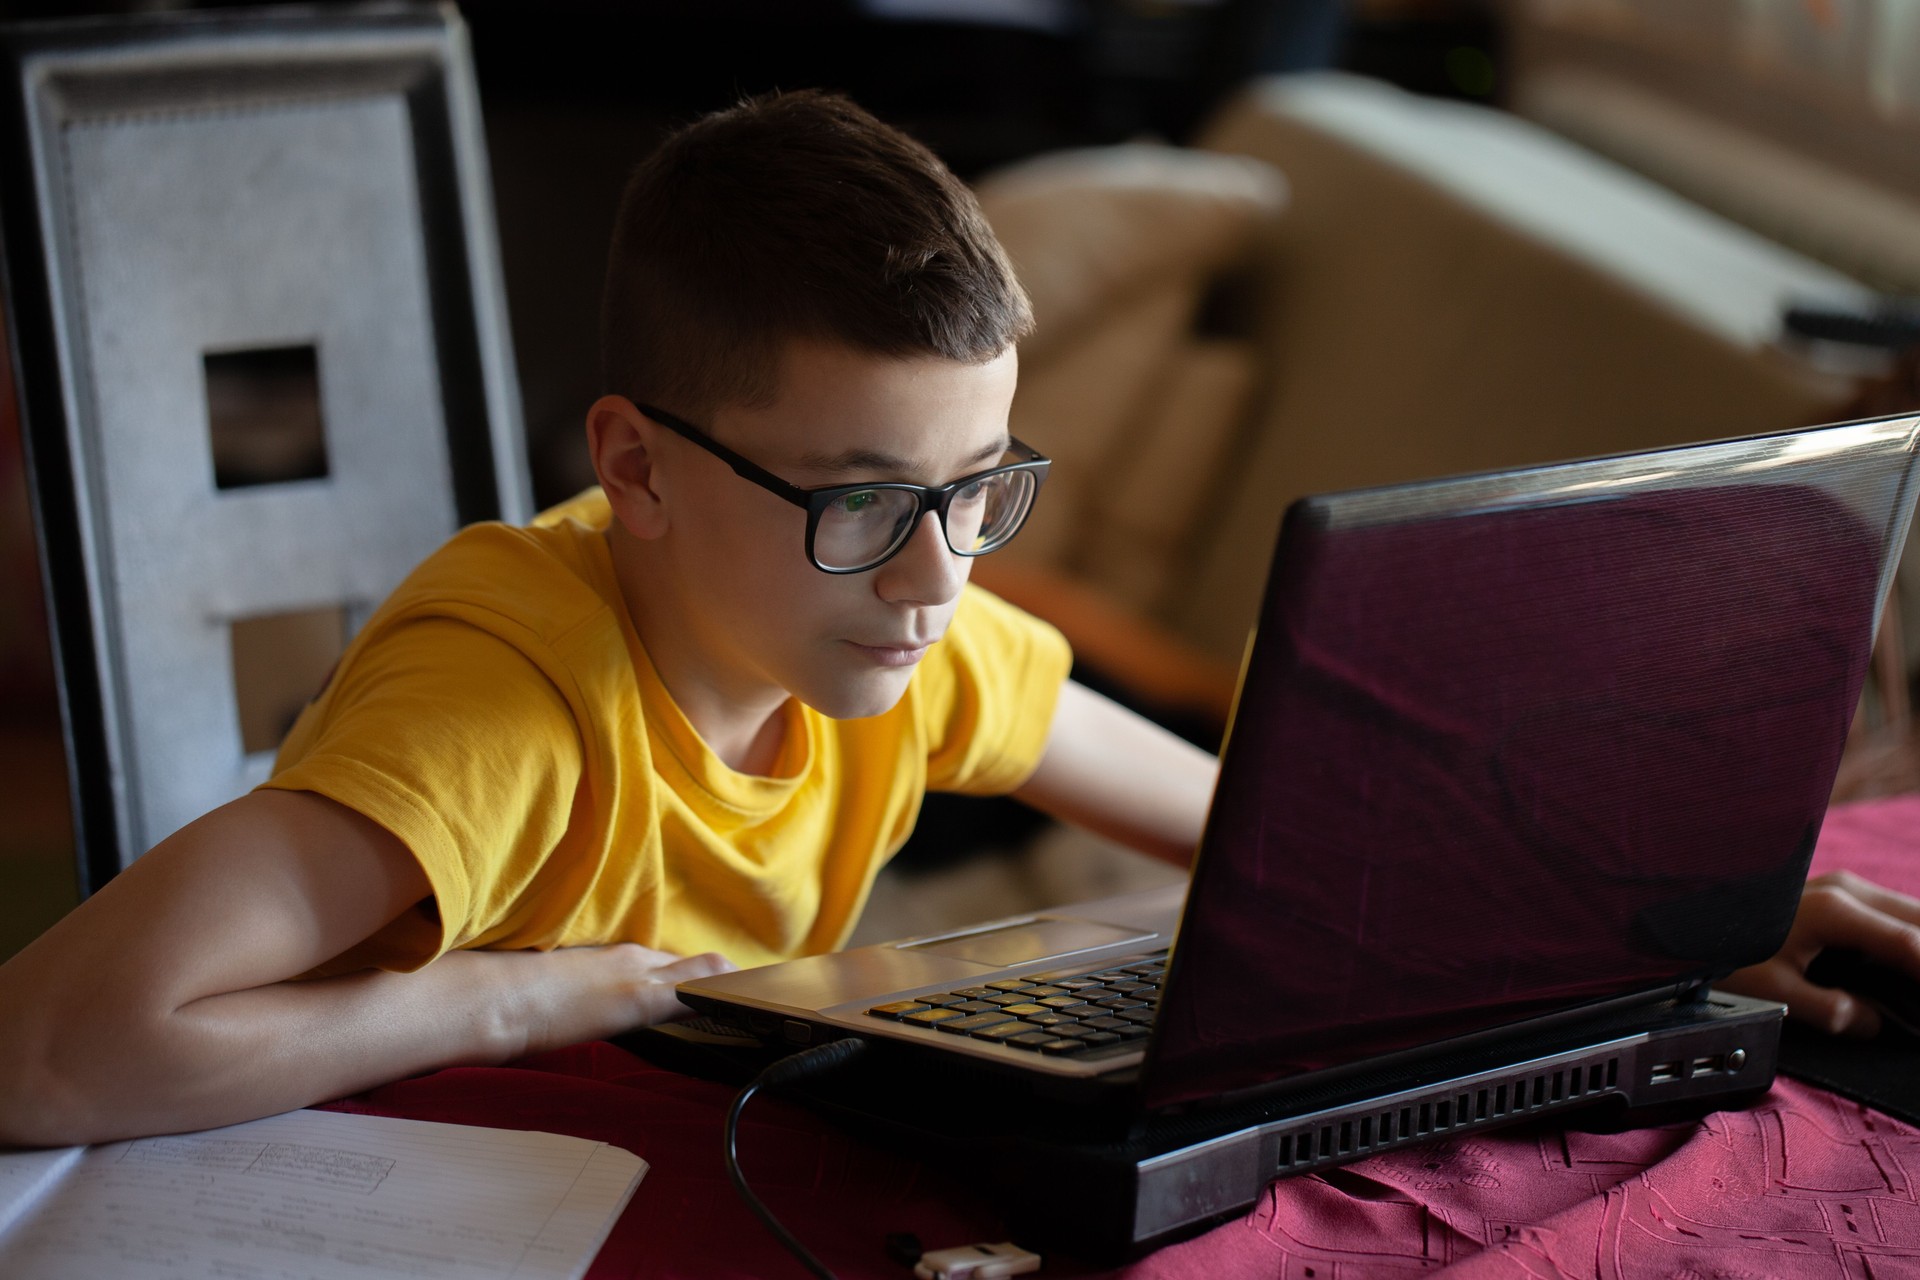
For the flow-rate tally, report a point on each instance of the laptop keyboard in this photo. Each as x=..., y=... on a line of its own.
x=1056, y=1014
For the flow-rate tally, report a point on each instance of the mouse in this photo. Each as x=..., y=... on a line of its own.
x=1893, y=993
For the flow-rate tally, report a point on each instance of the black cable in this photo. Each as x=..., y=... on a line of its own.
x=810, y=1062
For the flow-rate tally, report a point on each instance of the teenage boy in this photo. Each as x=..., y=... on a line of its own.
x=688, y=714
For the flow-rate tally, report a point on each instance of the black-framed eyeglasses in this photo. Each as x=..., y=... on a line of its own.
x=852, y=528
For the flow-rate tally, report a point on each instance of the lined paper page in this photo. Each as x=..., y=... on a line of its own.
x=313, y=1194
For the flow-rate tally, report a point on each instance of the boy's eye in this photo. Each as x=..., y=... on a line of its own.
x=865, y=500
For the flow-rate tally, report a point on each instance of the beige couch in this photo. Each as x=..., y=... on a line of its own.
x=1352, y=286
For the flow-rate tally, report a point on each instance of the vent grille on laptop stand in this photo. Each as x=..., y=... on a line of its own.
x=1416, y=1119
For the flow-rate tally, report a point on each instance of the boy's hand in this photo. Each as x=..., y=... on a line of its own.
x=1838, y=910
x=644, y=980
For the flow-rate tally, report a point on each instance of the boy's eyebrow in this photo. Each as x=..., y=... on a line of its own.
x=877, y=461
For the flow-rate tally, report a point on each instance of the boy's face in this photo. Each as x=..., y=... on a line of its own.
x=769, y=620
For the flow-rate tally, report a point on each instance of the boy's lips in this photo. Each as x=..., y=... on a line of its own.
x=893, y=654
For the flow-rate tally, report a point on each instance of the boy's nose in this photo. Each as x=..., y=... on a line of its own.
x=925, y=571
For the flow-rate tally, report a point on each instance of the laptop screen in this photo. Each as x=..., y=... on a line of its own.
x=1513, y=744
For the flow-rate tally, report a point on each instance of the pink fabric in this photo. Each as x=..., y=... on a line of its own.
x=1879, y=839
x=1802, y=1184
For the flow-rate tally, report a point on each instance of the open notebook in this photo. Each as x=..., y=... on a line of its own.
x=315, y=1195
x=1520, y=764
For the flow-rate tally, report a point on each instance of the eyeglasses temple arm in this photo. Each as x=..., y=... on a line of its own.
x=743, y=468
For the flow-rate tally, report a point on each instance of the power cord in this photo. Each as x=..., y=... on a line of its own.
x=797, y=1067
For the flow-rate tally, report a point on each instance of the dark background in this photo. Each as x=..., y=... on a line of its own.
x=575, y=92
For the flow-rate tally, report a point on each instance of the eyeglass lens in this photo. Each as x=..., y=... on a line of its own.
x=862, y=528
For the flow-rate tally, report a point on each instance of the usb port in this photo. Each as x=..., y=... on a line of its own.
x=1712, y=1065
x=1664, y=1072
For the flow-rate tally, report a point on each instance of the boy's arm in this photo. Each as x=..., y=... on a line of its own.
x=166, y=1001
x=1119, y=774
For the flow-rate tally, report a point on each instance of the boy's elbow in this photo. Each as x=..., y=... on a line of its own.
x=40, y=1105
x=64, y=1067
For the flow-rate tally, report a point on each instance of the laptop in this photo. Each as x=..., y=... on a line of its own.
x=1520, y=763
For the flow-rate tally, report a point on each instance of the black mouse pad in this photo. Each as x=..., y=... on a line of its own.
x=1883, y=1073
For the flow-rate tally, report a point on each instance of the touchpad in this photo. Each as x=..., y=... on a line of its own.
x=1029, y=941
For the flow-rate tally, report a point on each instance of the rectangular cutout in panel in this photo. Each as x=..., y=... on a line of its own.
x=280, y=662
x=263, y=416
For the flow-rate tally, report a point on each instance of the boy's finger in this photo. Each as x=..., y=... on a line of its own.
x=1832, y=1010
x=1892, y=902
x=704, y=965
x=1878, y=896
x=655, y=995
x=1857, y=924
x=655, y=1002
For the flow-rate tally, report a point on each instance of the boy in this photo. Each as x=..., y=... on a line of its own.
x=687, y=715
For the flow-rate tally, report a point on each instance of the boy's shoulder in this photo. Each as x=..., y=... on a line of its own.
x=546, y=579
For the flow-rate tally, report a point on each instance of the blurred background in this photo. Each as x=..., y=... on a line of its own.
x=1276, y=247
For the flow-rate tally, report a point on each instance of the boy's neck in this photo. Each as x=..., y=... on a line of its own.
x=745, y=727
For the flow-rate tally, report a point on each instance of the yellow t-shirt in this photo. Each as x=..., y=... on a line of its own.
x=499, y=715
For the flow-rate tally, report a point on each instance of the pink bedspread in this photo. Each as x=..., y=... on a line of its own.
x=1802, y=1184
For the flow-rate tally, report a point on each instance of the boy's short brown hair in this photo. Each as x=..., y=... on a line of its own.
x=794, y=215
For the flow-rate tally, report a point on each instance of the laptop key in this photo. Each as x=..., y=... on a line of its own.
x=1005, y=998
x=897, y=1008
x=1136, y=1015
x=1063, y=1002
x=929, y=1017
x=972, y=993
x=940, y=999
x=1132, y=1031
x=974, y=1006
x=1010, y=984
x=1004, y=1031
x=1063, y=1046
x=1095, y=1039
x=1030, y=1039
x=1073, y=984
x=1048, y=1019
x=1038, y=993
x=1026, y=1010
x=1105, y=1024
x=978, y=1022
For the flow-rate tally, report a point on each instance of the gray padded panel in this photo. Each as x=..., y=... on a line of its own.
x=183, y=184
x=259, y=227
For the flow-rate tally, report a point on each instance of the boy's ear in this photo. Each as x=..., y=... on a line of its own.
x=620, y=442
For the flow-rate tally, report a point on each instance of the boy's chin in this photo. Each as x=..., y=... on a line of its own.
x=873, y=694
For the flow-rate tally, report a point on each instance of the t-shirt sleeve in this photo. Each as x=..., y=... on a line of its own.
x=987, y=694
x=461, y=746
